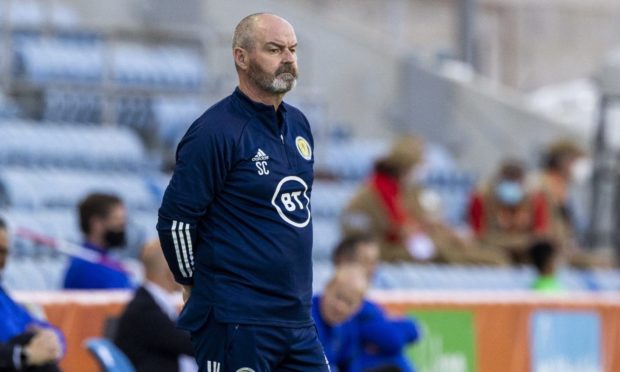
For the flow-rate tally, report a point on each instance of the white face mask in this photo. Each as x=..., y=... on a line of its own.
x=581, y=171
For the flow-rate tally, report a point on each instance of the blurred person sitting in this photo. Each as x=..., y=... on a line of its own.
x=333, y=311
x=102, y=221
x=146, y=331
x=26, y=344
x=564, y=164
x=382, y=339
x=502, y=212
x=543, y=256
x=389, y=207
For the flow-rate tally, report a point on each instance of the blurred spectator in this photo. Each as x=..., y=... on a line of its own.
x=102, y=221
x=563, y=164
x=146, y=331
x=388, y=207
x=501, y=212
x=543, y=256
x=382, y=339
x=333, y=311
x=26, y=344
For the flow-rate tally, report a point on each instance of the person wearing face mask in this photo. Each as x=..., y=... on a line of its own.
x=333, y=312
x=501, y=212
x=146, y=331
x=389, y=206
x=562, y=167
x=26, y=343
x=102, y=221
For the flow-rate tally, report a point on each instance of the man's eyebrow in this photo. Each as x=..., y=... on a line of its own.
x=273, y=43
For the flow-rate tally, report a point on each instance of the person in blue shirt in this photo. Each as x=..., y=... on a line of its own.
x=102, y=221
x=382, y=338
x=235, y=221
x=334, y=314
x=26, y=344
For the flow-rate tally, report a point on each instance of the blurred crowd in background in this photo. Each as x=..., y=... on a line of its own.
x=470, y=157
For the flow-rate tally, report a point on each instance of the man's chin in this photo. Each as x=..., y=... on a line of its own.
x=283, y=86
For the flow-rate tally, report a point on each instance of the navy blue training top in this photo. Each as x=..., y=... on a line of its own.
x=235, y=219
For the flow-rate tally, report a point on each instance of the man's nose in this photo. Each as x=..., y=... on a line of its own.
x=288, y=56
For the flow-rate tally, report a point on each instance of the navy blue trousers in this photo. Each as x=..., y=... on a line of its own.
x=224, y=347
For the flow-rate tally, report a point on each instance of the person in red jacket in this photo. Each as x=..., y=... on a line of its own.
x=505, y=214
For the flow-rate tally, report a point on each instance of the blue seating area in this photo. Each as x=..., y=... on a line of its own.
x=31, y=144
x=80, y=58
x=41, y=59
x=163, y=66
x=8, y=108
x=26, y=188
x=441, y=277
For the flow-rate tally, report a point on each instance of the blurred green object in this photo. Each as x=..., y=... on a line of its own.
x=547, y=283
x=447, y=344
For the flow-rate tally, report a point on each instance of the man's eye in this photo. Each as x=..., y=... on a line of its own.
x=274, y=50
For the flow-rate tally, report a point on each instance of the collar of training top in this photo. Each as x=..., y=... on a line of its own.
x=257, y=106
x=93, y=247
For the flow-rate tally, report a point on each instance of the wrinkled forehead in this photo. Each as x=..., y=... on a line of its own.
x=273, y=29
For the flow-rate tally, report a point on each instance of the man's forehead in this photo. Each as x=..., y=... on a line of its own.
x=275, y=30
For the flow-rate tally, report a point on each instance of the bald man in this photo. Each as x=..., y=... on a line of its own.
x=334, y=312
x=146, y=330
x=235, y=222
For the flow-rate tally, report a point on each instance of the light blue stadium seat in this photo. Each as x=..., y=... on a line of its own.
x=163, y=66
x=350, y=159
x=25, y=275
x=175, y=115
x=28, y=144
x=109, y=357
x=326, y=234
x=329, y=198
x=64, y=188
x=45, y=59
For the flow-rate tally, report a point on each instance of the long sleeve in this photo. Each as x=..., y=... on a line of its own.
x=203, y=159
x=10, y=357
x=387, y=335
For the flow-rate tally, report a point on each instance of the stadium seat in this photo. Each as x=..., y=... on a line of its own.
x=326, y=234
x=63, y=188
x=329, y=198
x=109, y=357
x=29, y=144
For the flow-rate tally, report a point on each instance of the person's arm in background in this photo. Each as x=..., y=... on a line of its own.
x=10, y=357
x=202, y=162
x=30, y=349
x=20, y=315
x=382, y=335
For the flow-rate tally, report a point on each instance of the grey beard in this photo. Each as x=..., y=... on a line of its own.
x=280, y=85
x=282, y=82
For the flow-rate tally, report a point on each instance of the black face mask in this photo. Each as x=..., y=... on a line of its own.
x=115, y=238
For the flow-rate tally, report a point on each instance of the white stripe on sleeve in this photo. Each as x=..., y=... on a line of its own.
x=175, y=240
x=184, y=253
x=190, y=249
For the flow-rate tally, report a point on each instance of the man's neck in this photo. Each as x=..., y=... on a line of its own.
x=96, y=241
x=258, y=95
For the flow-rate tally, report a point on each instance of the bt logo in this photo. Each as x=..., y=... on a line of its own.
x=292, y=202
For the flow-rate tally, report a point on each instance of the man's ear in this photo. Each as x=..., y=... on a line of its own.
x=241, y=58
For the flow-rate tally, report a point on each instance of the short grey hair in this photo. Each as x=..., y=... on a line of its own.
x=243, y=37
